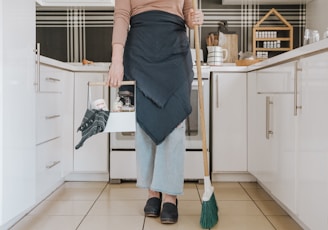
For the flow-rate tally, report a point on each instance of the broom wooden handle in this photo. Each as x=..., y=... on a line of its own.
x=201, y=96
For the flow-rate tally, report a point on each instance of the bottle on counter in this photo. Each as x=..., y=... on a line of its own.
x=325, y=34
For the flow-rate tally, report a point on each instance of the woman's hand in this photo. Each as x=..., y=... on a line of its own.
x=116, y=70
x=115, y=74
x=196, y=17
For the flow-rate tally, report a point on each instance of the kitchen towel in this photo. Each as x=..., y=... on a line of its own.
x=94, y=121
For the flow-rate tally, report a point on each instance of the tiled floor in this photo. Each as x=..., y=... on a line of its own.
x=102, y=206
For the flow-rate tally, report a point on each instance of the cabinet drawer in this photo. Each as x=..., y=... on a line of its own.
x=278, y=79
x=51, y=79
x=48, y=166
x=49, y=117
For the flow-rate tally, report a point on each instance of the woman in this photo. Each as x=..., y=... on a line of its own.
x=150, y=46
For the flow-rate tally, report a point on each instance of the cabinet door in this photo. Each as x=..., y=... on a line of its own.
x=259, y=142
x=93, y=155
x=283, y=151
x=272, y=131
x=312, y=171
x=68, y=123
x=229, y=119
x=17, y=116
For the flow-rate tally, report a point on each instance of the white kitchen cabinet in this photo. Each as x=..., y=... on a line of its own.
x=259, y=147
x=229, y=122
x=272, y=130
x=17, y=109
x=312, y=156
x=54, y=117
x=92, y=157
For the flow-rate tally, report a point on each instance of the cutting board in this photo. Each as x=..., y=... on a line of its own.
x=229, y=42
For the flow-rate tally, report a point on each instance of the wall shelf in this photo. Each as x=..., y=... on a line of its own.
x=269, y=41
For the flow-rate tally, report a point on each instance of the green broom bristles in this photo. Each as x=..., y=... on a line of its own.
x=209, y=216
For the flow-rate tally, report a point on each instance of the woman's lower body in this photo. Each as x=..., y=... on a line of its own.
x=160, y=169
x=157, y=56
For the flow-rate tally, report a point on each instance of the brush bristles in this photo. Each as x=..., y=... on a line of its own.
x=209, y=216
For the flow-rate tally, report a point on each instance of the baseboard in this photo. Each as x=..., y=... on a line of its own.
x=87, y=176
x=232, y=177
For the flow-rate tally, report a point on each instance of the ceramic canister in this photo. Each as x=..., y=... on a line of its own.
x=216, y=55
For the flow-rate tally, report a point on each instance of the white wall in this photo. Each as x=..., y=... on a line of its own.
x=317, y=15
x=1, y=104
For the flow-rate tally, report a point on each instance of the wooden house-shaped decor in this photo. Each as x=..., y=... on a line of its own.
x=270, y=40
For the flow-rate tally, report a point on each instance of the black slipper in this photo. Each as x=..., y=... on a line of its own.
x=153, y=206
x=169, y=213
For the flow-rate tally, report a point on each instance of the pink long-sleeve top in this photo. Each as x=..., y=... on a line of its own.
x=125, y=9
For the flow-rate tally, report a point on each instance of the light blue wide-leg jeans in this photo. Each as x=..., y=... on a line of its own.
x=161, y=167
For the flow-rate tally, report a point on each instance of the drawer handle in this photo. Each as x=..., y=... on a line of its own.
x=38, y=63
x=268, y=131
x=53, y=164
x=52, y=117
x=296, y=106
x=52, y=79
x=217, y=92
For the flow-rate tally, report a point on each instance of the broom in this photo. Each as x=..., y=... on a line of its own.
x=209, y=215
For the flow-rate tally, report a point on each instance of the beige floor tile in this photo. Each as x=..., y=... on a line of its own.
x=118, y=208
x=48, y=223
x=112, y=222
x=219, y=185
x=189, y=207
x=190, y=194
x=243, y=223
x=258, y=194
x=85, y=185
x=250, y=185
x=227, y=191
x=231, y=194
x=184, y=223
x=190, y=185
x=126, y=194
x=270, y=207
x=123, y=185
x=76, y=194
x=62, y=208
x=284, y=223
x=238, y=208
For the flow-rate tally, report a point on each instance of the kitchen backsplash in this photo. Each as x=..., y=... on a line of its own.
x=72, y=34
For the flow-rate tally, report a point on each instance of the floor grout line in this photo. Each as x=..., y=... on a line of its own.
x=257, y=206
x=87, y=213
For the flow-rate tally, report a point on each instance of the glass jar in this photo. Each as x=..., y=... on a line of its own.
x=315, y=36
x=325, y=34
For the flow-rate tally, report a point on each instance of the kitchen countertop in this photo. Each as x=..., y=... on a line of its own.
x=321, y=46
x=76, y=66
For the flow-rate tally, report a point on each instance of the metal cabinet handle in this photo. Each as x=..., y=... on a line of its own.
x=268, y=103
x=52, y=79
x=37, y=61
x=52, y=117
x=217, y=91
x=53, y=164
x=296, y=106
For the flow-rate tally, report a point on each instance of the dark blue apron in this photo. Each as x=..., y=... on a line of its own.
x=157, y=55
